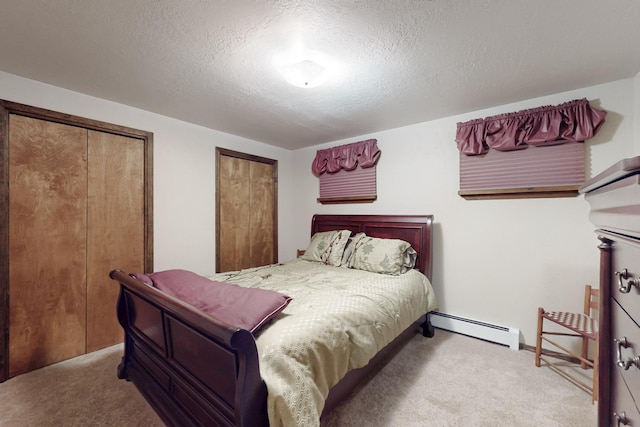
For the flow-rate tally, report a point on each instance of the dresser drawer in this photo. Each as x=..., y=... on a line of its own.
x=626, y=258
x=622, y=403
x=627, y=382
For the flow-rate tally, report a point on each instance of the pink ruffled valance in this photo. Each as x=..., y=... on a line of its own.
x=347, y=157
x=572, y=121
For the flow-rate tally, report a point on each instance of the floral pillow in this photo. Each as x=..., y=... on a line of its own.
x=338, y=247
x=386, y=256
x=348, y=250
x=327, y=247
x=409, y=259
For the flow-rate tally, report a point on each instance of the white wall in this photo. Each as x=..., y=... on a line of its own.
x=637, y=113
x=495, y=260
x=184, y=171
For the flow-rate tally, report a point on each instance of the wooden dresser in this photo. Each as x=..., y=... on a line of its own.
x=614, y=196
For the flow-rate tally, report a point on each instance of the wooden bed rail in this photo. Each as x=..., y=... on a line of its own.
x=192, y=368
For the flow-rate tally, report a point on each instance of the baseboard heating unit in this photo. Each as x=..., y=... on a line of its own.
x=474, y=328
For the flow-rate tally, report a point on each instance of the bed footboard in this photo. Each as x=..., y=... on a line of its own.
x=190, y=367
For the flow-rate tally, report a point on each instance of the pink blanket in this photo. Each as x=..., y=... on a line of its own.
x=246, y=308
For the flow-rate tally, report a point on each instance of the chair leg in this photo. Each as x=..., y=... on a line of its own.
x=585, y=352
x=539, y=336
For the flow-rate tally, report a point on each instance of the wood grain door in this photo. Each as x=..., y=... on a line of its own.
x=47, y=242
x=115, y=233
x=76, y=202
x=262, y=224
x=246, y=210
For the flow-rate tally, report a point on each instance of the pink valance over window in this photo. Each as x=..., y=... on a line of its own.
x=347, y=157
x=572, y=121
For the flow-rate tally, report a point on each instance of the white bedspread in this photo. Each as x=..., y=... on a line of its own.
x=338, y=320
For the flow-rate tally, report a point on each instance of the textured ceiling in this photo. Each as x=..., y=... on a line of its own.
x=399, y=62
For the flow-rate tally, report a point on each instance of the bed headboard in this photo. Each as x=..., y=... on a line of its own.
x=415, y=229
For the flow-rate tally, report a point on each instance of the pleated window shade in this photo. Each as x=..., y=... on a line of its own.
x=347, y=172
x=357, y=184
x=544, y=169
x=537, y=152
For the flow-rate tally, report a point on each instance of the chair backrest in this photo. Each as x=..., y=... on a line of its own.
x=591, y=299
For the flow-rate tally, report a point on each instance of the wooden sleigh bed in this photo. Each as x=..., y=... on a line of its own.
x=196, y=370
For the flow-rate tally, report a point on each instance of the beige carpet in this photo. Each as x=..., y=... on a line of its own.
x=449, y=380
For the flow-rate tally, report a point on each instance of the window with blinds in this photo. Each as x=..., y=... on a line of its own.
x=347, y=173
x=550, y=170
x=344, y=186
x=539, y=152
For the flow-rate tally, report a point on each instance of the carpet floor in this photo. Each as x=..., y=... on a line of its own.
x=448, y=380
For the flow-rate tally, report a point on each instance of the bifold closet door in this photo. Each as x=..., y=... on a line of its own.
x=76, y=212
x=234, y=209
x=261, y=215
x=246, y=211
x=77, y=203
x=115, y=233
x=47, y=242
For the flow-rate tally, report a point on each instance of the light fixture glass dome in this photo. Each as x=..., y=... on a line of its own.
x=305, y=73
x=303, y=67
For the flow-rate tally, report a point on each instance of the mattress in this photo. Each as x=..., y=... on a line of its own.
x=338, y=319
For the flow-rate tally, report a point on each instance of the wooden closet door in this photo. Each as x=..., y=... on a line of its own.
x=234, y=214
x=76, y=202
x=47, y=242
x=115, y=233
x=246, y=211
x=261, y=218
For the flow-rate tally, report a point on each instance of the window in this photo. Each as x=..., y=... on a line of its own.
x=530, y=153
x=347, y=173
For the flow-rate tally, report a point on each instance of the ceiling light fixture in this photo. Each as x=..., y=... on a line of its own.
x=306, y=73
x=304, y=68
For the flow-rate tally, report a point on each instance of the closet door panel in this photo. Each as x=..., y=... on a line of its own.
x=246, y=210
x=234, y=210
x=261, y=213
x=115, y=235
x=47, y=242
